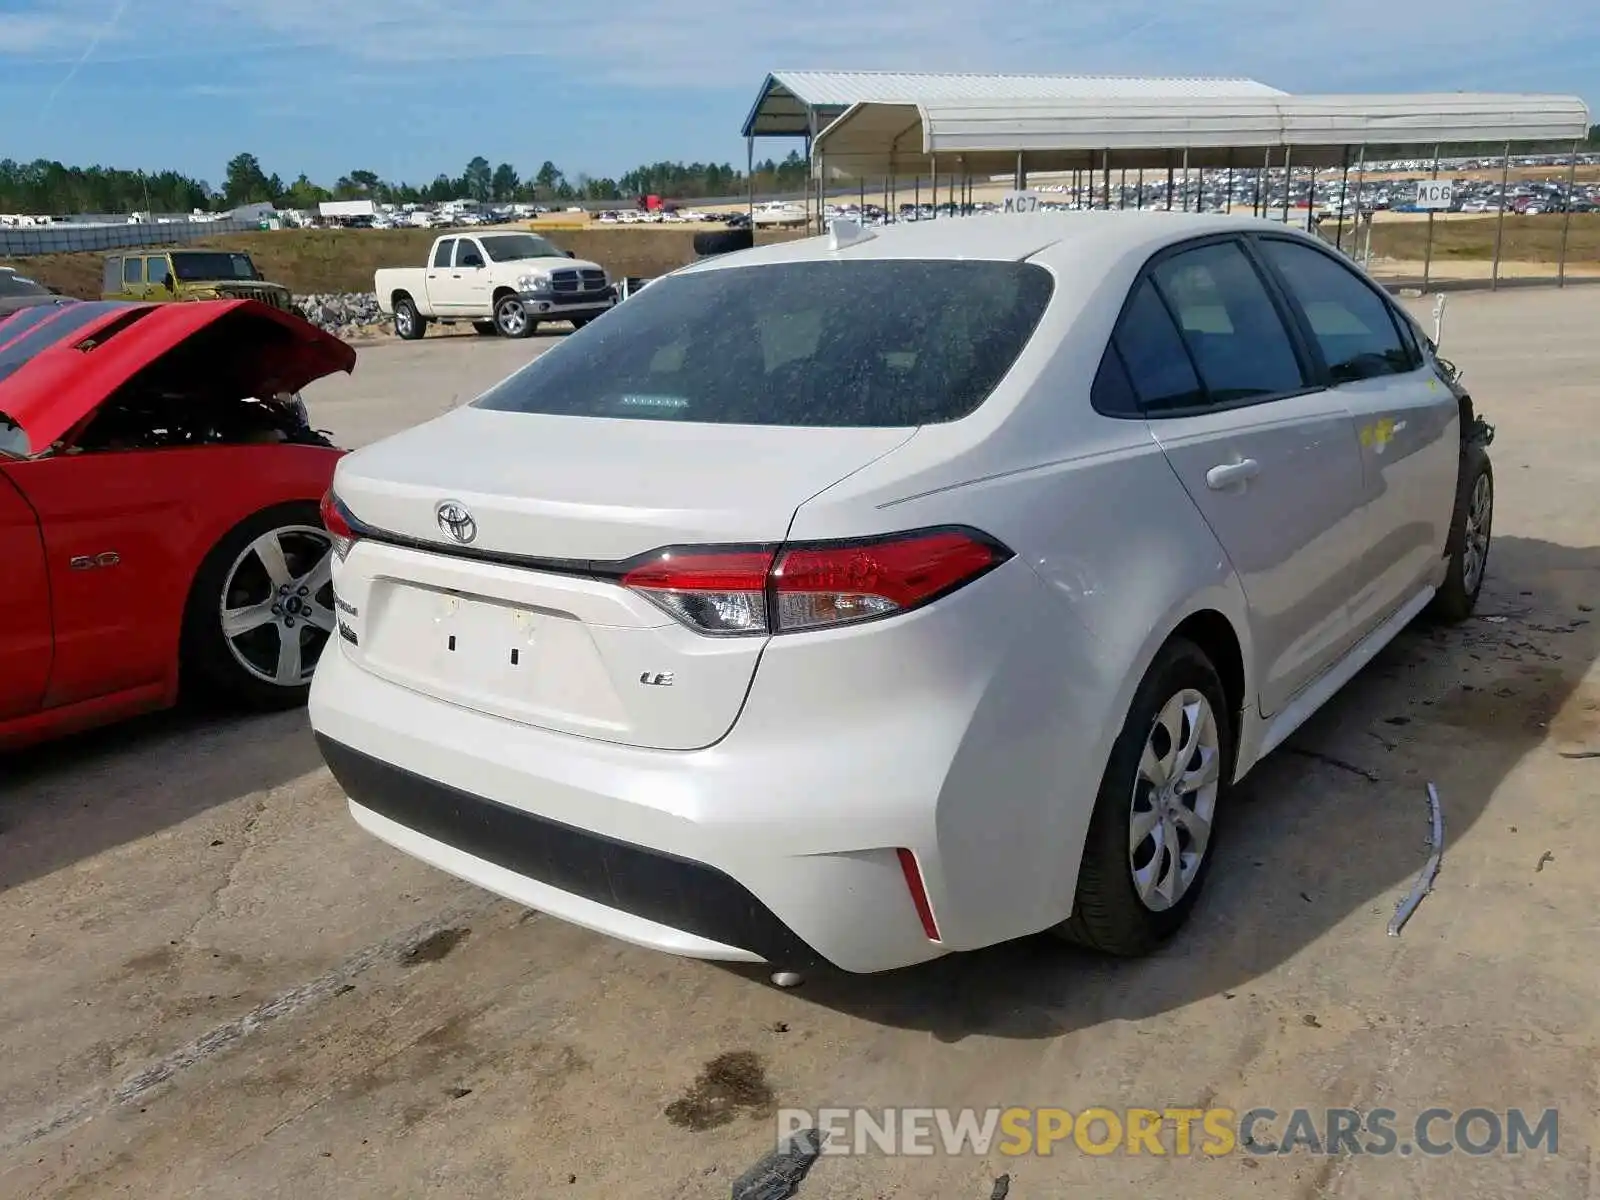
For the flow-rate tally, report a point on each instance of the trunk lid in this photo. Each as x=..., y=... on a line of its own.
x=58, y=364
x=526, y=620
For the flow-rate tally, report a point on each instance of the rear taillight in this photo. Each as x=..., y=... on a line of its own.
x=816, y=585
x=714, y=591
x=337, y=522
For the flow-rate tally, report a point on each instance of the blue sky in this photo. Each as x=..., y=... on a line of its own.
x=409, y=88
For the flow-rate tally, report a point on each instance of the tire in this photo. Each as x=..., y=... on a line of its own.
x=1468, y=547
x=409, y=324
x=486, y=328
x=723, y=241
x=512, y=319
x=579, y=322
x=235, y=577
x=1109, y=914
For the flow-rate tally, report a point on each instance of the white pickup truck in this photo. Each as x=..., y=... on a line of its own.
x=504, y=283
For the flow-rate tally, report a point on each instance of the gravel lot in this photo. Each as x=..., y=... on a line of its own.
x=216, y=986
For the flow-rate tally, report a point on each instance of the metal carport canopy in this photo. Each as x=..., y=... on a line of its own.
x=984, y=136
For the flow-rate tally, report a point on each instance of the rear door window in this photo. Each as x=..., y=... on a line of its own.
x=871, y=342
x=1158, y=366
x=1238, y=341
x=156, y=269
x=1352, y=324
x=442, y=252
x=133, y=270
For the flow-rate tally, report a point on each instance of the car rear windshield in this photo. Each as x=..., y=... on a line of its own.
x=192, y=265
x=860, y=343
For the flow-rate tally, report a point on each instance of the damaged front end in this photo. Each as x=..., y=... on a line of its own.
x=1474, y=429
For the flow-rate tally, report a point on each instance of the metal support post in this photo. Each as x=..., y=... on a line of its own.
x=1500, y=219
x=1566, y=215
x=1288, y=181
x=1344, y=196
x=1427, y=250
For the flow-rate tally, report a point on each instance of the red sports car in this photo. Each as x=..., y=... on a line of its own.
x=159, y=525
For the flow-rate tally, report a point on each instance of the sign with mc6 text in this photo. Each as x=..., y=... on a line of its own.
x=1435, y=195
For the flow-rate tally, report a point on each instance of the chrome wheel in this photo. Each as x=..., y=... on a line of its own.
x=1475, y=533
x=1174, y=800
x=276, y=607
x=512, y=318
x=404, y=320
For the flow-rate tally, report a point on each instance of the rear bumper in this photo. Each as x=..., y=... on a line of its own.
x=951, y=732
x=677, y=904
x=698, y=853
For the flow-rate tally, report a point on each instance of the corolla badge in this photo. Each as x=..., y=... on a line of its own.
x=456, y=522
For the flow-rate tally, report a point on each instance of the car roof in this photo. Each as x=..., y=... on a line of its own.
x=1049, y=238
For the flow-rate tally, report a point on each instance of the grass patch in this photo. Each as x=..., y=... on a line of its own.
x=1527, y=239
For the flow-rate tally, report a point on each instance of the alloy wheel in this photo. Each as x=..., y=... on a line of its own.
x=1174, y=800
x=1475, y=535
x=513, y=318
x=276, y=607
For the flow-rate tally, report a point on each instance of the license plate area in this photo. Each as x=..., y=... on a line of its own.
x=521, y=662
x=480, y=643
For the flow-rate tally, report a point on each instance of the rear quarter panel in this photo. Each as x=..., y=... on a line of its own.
x=161, y=512
x=1093, y=510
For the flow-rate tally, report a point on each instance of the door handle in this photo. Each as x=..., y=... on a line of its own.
x=1225, y=475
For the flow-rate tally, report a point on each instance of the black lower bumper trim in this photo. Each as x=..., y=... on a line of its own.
x=676, y=892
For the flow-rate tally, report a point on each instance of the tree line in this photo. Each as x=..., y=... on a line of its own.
x=45, y=187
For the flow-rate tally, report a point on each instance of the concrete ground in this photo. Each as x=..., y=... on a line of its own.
x=213, y=985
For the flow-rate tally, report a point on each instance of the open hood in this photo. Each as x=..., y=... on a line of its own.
x=58, y=364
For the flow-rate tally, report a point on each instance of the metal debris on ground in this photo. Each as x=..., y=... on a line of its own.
x=779, y=1174
x=1002, y=1188
x=1430, y=869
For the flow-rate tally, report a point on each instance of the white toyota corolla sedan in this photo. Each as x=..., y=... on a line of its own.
x=869, y=597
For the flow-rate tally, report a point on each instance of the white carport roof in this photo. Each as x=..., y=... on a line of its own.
x=788, y=99
x=985, y=136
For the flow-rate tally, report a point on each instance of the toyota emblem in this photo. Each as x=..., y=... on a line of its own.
x=456, y=521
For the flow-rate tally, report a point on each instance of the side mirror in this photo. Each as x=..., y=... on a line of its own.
x=571, y=254
x=170, y=283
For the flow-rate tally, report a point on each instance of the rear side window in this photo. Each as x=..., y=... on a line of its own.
x=113, y=276
x=857, y=343
x=1157, y=364
x=12, y=284
x=133, y=270
x=443, y=251
x=1350, y=322
x=1239, y=343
